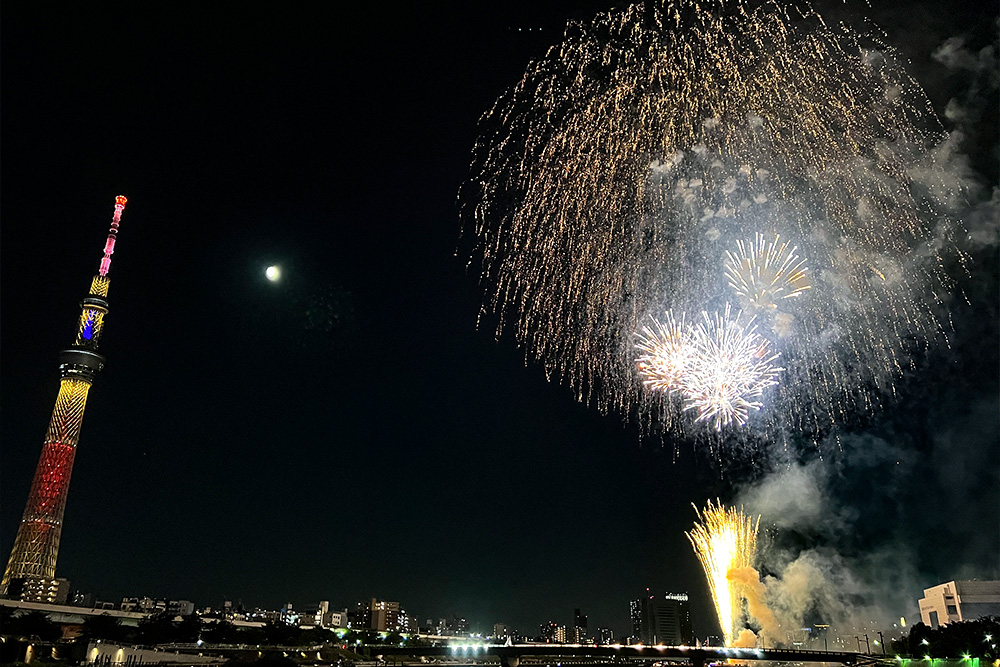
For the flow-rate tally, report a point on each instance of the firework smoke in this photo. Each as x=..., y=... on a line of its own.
x=639, y=166
x=853, y=554
x=725, y=541
x=747, y=582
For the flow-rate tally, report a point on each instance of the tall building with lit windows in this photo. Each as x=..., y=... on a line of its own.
x=662, y=619
x=31, y=570
x=552, y=633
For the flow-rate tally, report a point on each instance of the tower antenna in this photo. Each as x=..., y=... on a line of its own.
x=109, y=245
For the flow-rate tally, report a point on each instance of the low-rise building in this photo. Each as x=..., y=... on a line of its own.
x=955, y=601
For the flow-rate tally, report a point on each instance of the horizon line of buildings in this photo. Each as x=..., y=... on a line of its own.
x=653, y=619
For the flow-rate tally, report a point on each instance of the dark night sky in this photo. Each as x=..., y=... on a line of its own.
x=349, y=433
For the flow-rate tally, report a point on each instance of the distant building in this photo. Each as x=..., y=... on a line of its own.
x=388, y=617
x=322, y=609
x=150, y=606
x=38, y=589
x=335, y=619
x=959, y=601
x=81, y=599
x=662, y=619
x=500, y=632
x=359, y=617
x=384, y=615
x=578, y=633
x=407, y=623
x=144, y=604
x=455, y=627
x=289, y=615
x=552, y=633
x=605, y=636
x=635, y=615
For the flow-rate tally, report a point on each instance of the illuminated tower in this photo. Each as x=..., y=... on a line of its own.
x=31, y=570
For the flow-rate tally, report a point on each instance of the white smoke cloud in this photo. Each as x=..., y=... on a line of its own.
x=793, y=497
x=819, y=584
x=853, y=561
x=983, y=221
x=822, y=586
x=954, y=55
x=977, y=202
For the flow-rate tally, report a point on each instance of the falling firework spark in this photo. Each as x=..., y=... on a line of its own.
x=611, y=181
x=724, y=539
x=762, y=273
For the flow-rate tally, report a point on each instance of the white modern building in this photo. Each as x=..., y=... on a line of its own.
x=959, y=601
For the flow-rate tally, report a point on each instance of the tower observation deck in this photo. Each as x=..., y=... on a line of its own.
x=31, y=570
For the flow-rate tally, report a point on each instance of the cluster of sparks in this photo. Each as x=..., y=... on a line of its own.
x=762, y=273
x=662, y=141
x=721, y=366
x=725, y=539
x=718, y=366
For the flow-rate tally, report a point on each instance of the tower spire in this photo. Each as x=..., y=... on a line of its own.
x=109, y=245
x=31, y=570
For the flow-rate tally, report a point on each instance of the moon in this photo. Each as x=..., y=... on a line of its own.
x=273, y=273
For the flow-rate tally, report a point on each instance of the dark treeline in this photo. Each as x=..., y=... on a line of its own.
x=974, y=639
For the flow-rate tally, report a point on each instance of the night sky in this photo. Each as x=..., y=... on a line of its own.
x=348, y=432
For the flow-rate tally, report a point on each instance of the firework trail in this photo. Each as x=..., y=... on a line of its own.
x=725, y=541
x=678, y=157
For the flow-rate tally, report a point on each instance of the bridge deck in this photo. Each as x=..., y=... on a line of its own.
x=696, y=655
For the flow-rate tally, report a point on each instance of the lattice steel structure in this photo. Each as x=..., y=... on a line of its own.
x=31, y=570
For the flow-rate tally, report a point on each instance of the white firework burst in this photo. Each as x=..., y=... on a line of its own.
x=719, y=367
x=764, y=272
x=666, y=353
x=729, y=368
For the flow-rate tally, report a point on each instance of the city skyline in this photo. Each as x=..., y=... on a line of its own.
x=655, y=621
x=346, y=430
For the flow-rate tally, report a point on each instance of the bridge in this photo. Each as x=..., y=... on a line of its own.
x=522, y=654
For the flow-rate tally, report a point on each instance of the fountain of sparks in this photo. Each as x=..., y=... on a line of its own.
x=725, y=540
